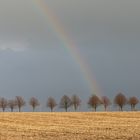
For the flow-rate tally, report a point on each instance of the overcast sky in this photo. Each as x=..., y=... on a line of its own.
x=34, y=63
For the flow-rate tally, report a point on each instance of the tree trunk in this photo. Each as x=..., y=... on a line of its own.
x=11, y=109
x=33, y=109
x=19, y=109
x=131, y=107
x=105, y=107
x=95, y=108
x=3, y=109
x=75, y=107
x=51, y=109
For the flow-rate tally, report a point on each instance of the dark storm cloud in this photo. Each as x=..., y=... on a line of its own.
x=33, y=61
x=88, y=22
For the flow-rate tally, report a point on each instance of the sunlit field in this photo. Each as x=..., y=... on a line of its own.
x=66, y=126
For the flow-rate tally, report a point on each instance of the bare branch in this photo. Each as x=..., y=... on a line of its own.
x=65, y=102
x=133, y=101
x=12, y=104
x=76, y=102
x=105, y=101
x=20, y=102
x=120, y=100
x=51, y=103
x=94, y=102
x=34, y=103
x=3, y=103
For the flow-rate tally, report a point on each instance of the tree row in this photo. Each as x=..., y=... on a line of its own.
x=66, y=102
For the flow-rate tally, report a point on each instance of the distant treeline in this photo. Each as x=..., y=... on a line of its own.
x=66, y=102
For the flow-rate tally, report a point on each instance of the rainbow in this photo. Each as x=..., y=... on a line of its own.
x=70, y=45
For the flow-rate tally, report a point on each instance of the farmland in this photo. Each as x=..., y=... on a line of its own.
x=66, y=126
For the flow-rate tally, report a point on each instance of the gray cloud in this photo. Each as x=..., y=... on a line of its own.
x=87, y=22
x=106, y=33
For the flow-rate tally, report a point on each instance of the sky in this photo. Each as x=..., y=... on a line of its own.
x=35, y=61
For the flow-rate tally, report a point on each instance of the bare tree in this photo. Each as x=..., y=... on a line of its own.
x=133, y=101
x=76, y=102
x=51, y=103
x=20, y=102
x=12, y=104
x=94, y=102
x=34, y=103
x=105, y=101
x=120, y=100
x=3, y=104
x=65, y=102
